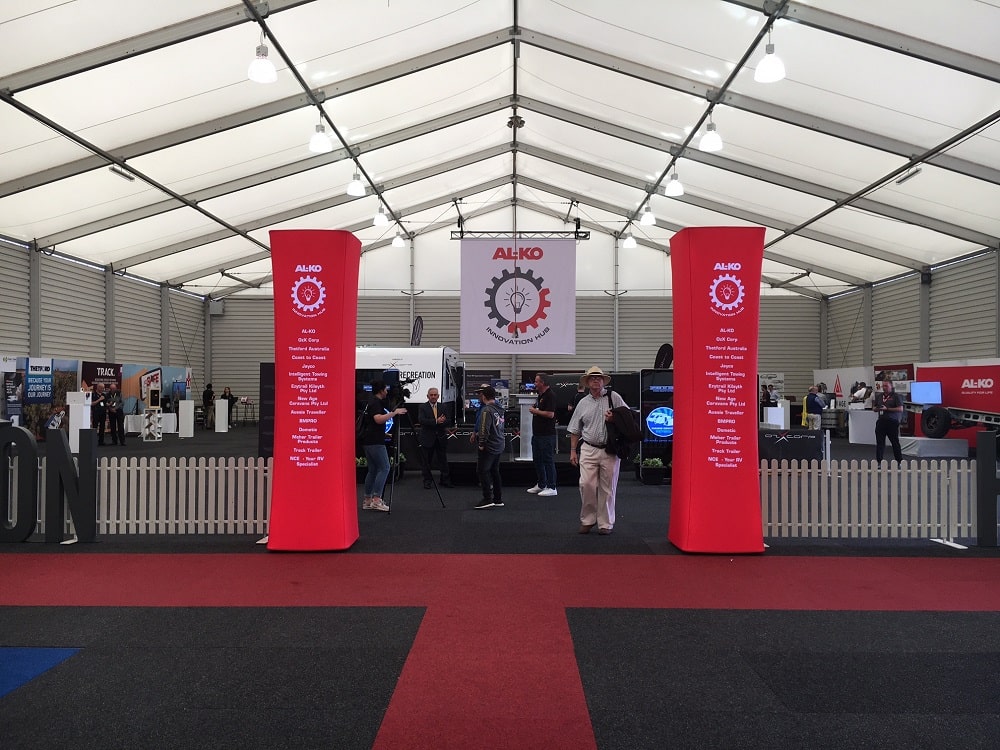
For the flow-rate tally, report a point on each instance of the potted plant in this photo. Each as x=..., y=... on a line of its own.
x=653, y=471
x=360, y=468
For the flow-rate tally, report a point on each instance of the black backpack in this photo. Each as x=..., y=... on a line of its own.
x=624, y=432
x=360, y=424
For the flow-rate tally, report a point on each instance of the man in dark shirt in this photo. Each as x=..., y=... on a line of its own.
x=490, y=439
x=208, y=404
x=889, y=407
x=543, y=438
x=435, y=423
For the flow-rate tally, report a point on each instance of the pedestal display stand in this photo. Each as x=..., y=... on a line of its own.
x=152, y=426
x=525, y=401
x=79, y=416
x=221, y=415
x=185, y=418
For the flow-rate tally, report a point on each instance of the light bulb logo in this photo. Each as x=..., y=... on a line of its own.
x=726, y=292
x=523, y=298
x=308, y=295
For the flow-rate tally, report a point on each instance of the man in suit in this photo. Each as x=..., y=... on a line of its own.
x=435, y=423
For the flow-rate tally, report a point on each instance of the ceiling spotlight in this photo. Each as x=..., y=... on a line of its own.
x=261, y=69
x=711, y=141
x=356, y=187
x=674, y=188
x=397, y=241
x=770, y=69
x=629, y=242
x=320, y=141
x=380, y=220
x=115, y=169
x=648, y=218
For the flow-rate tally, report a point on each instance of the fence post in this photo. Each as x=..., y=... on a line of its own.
x=987, y=488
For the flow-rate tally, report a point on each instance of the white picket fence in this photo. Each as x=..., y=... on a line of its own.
x=799, y=499
x=866, y=499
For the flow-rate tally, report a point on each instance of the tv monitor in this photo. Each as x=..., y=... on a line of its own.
x=927, y=393
x=529, y=387
x=475, y=403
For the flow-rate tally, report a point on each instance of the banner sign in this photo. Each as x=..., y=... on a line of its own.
x=974, y=387
x=715, y=494
x=38, y=381
x=314, y=490
x=518, y=296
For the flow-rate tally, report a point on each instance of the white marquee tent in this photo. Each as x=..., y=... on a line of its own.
x=132, y=138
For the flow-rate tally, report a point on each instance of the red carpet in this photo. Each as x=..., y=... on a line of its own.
x=493, y=656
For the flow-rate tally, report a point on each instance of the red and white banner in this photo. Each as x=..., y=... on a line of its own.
x=518, y=296
x=715, y=489
x=313, y=486
x=975, y=387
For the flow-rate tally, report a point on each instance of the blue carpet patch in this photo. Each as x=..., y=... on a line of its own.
x=19, y=666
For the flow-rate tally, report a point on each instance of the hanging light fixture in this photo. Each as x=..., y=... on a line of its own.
x=648, y=217
x=770, y=69
x=356, y=187
x=629, y=242
x=674, y=187
x=320, y=141
x=261, y=69
x=711, y=141
x=397, y=241
x=380, y=220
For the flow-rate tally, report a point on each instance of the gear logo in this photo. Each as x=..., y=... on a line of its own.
x=517, y=300
x=308, y=296
x=726, y=293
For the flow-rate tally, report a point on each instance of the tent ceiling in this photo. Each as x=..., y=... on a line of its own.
x=419, y=99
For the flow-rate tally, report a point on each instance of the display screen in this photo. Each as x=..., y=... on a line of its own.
x=529, y=386
x=661, y=389
x=925, y=393
x=475, y=403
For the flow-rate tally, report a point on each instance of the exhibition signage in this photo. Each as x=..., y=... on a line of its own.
x=518, y=296
x=975, y=387
x=313, y=489
x=715, y=493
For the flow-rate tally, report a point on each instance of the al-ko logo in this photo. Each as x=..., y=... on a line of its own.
x=308, y=292
x=726, y=292
x=977, y=383
x=521, y=253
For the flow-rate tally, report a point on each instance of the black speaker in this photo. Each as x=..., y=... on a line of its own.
x=154, y=398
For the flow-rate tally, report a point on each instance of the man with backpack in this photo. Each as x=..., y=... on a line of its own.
x=588, y=435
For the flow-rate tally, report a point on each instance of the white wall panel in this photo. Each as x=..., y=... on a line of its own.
x=15, y=309
x=137, y=322
x=186, y=324
x=72, y=310
x=645, y=324
x=896, y=330
x=242, y=338
x=964, y=310
x=789, y=341
x=845, y=324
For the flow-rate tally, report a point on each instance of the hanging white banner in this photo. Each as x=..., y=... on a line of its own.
x=518, y=296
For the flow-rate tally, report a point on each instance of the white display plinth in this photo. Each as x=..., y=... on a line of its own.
x=778, y=415
x=79, y=417
x=861, y=426
x=221, y=415
x=525, y=401
x=185, y=418
x=169, y=423
x=133, y=424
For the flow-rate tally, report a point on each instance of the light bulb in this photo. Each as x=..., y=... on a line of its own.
x=629, y=242
x=320, y=142
x=380, y=220
x=356, y=187
x=397, y=241
x=711, y=141
x=648, y=218
x=770, y=69
x=261, y=69
x=674, y=188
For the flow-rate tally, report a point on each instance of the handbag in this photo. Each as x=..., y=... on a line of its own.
x=624, y=432
x=359, y=424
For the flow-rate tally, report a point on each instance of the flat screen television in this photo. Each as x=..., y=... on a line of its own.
x=927, y=393
x=475, y=403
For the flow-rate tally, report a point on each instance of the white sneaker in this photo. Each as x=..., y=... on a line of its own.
x=377, y=504
x=535, y=490
x=548, y=492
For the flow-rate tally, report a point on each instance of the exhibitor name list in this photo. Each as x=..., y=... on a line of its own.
x=308, y=377
x=726, y=400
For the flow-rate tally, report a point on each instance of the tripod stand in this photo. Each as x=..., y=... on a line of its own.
x=397, y=427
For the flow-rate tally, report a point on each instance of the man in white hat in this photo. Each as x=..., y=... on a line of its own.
x=588, y=435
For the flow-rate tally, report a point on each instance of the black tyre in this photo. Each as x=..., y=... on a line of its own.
x=935, y=421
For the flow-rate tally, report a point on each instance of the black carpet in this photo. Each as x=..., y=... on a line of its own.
x=758, y=679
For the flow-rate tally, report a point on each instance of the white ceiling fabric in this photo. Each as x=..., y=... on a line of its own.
x=422, y=94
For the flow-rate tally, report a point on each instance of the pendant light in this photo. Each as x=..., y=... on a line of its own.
x=397, y=241
x=629, y=242
x=261, y=69
x=711, y=141
x=674, y=187
x=771, y=68
x=356, y=187
x=648, y=218
x=380, y=220
x=320, y=141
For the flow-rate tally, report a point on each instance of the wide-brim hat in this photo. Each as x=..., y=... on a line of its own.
x=595, y=370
